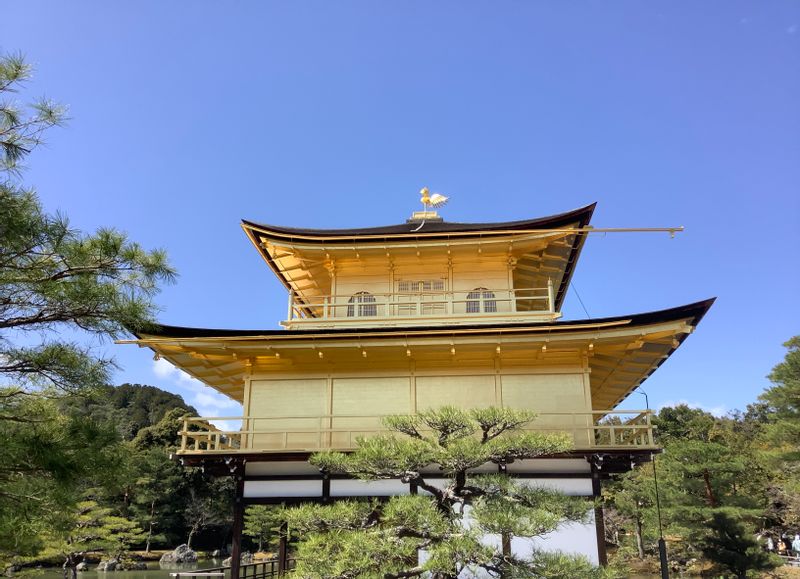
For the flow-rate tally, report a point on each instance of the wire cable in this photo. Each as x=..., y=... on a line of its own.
x=572, y=285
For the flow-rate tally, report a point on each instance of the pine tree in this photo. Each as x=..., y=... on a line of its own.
x=440, y=532
x=91, y=527
x=780, y=437
x=56, y=285
x=732, y=547
x=263, y=524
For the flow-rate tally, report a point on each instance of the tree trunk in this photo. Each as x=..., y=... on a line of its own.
x=149, y=536
x=150, y=529
x=505, y=539
x=70, y=567
x=712, y=500
x=639, y=537
x=191, y=535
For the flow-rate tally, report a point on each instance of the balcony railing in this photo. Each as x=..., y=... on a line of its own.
x=600, y=429
x=365, y=307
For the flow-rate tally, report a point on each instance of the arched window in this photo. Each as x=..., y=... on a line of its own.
x=362, y=304
x=481, y=297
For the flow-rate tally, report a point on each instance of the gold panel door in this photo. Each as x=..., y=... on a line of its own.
x=359, y=404
x=460, y=391
x=559, y=399
x=287, y=414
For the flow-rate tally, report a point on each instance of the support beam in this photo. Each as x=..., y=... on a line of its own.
x=283, y=550
x=238, y=524
x=599, y=522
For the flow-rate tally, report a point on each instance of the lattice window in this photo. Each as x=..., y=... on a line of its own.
x=420, y=286
x=362, y=305
x=481, y=300
x=429, y=293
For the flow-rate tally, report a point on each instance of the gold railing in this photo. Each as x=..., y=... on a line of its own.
x=425, y=304
x=599, y=429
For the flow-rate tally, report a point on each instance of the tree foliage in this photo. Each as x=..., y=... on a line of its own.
x=722, y=479
x=441, y=531
x=21, y=127
x=731, y=545
x=57, y=287
x=131, y=407
x=262, y=523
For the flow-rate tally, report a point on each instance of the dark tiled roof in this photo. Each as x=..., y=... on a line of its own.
x=582, y=216
x=695, y=311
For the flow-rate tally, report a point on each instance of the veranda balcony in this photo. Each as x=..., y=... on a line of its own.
x=477, y=305
x=590, y=431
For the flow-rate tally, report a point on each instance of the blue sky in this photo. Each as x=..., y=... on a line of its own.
x=187, y=117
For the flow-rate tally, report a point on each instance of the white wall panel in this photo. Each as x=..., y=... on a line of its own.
x=282, y=488
x=550, y=465
x=359, y=488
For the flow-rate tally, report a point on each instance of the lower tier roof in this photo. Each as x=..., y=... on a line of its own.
x=621, y=352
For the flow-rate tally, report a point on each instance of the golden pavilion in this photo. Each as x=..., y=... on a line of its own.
x=426, y=313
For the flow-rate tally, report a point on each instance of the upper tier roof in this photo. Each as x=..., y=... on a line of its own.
x=440, y=228
x=289, y=249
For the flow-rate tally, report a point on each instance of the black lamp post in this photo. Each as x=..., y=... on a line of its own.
x=662, y=545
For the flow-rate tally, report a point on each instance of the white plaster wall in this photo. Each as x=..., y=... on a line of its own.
x=385, y=488
x=360, y=488
x=576, y=538
x=550, y=465
x=279, y=488
x=576, y=487
x=571, y=538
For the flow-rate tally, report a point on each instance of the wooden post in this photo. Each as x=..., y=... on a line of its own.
x=183, y=433
x=238, y=523
x=282, y=550
x=599, y=522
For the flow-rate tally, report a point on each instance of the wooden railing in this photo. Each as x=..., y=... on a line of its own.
x=599, y=429
x=206, y=435
x=259, y=570
x=425, y=304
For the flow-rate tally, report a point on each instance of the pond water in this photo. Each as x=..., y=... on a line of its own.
x=154, y=571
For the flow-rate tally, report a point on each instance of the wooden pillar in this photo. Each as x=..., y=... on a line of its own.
x=238, y=524
x=282, y=550
x=599, y=523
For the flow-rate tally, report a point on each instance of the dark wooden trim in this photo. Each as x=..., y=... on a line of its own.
x=238, y=524
x=290, y=501
x=283, y=550
x=285, y=500
x=599, y=521
x=609, y=462
x=326, y=488
x=255, y=457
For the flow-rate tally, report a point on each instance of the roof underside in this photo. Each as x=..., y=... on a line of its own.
x=544, y=248
x=621, y=351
